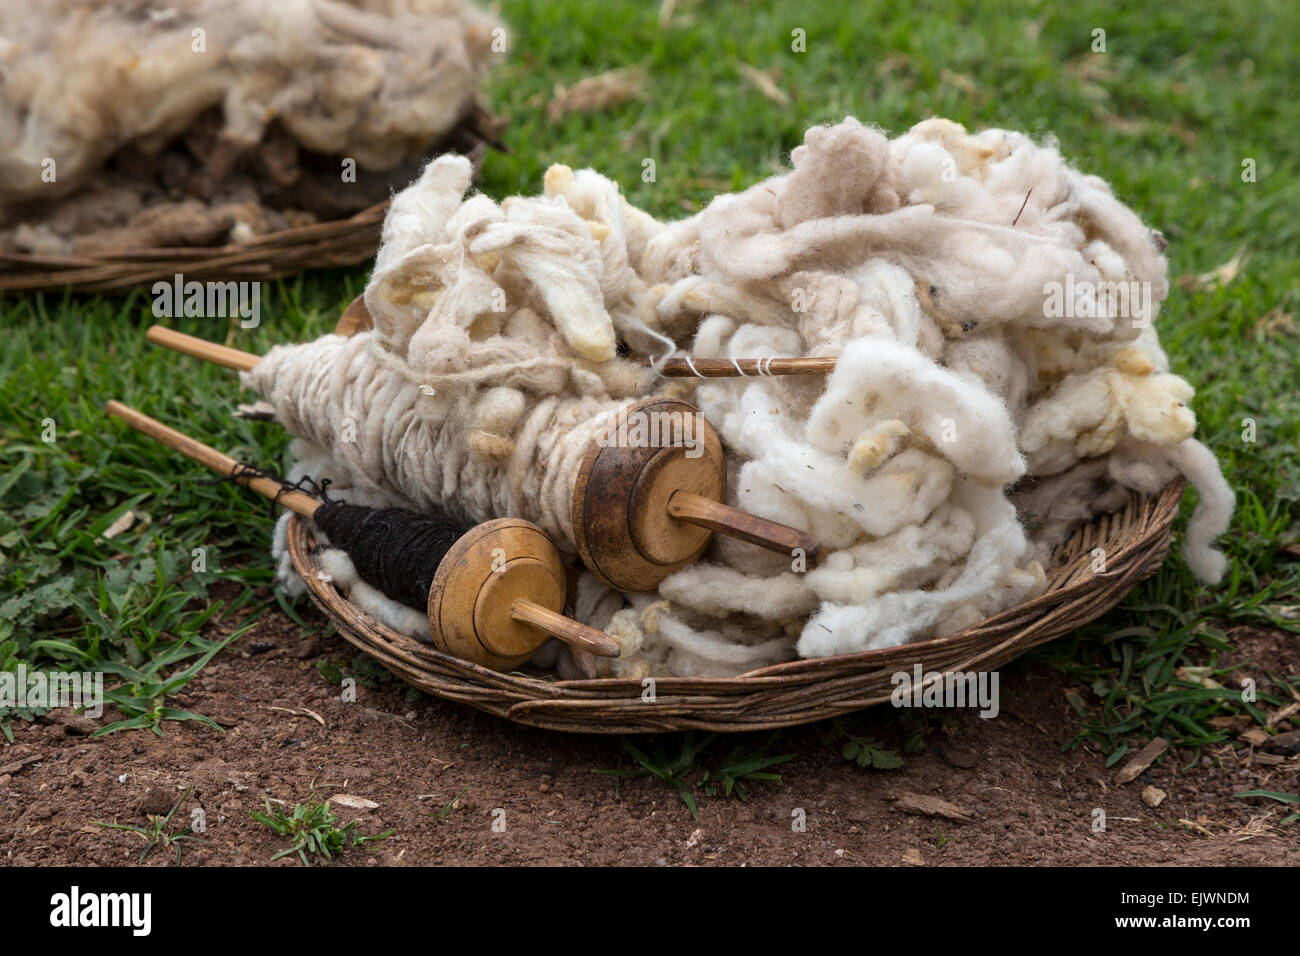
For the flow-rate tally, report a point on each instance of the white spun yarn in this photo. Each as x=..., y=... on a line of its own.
x=966, y=284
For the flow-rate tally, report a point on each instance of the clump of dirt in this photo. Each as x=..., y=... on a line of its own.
x=461, y=787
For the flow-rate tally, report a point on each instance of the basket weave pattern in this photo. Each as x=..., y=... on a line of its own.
x=1135, y=540
x=339, y=242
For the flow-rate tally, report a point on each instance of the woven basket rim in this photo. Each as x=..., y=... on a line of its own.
x=335, y=242
x=780, y=695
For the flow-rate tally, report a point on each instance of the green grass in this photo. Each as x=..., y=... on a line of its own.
x=443, y=813
x=867, y=752
x=313, y=830
x=683, y=770
x=159, y=832
x=1286, y=799
x=1183, y=94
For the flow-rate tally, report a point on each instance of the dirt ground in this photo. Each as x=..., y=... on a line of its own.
x=1028, y=802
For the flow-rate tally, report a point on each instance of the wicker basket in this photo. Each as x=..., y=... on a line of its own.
x=1135, y=539
x=341, y=242
x=337, y=242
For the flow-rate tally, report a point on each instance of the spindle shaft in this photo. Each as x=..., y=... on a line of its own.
x=734, y=368
x=191, y=345
x=296, y=501
x=565, y=628
x=716, y=516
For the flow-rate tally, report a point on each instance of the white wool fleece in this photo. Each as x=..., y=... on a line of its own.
x=965, y=283
x=374, y=80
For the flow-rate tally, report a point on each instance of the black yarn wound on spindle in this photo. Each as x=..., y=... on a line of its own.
x=394, y=550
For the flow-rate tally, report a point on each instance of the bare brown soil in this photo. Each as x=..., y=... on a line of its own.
x=1029, y=802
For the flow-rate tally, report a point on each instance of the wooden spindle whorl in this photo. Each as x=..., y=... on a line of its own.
x=479, y=602
x=621, y=520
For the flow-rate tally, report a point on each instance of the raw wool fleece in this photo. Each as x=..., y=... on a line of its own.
x=378, y=81
x=925, y=263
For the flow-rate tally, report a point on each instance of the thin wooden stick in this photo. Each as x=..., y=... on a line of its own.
x=565, y=628
x=714, y=515
x=224, y=465
x=355, y=317
x=201, y=348
x=683, y=367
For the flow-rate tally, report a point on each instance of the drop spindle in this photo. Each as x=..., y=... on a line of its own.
x=493, y=593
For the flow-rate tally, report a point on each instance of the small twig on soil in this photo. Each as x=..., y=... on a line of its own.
x=299, y=712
